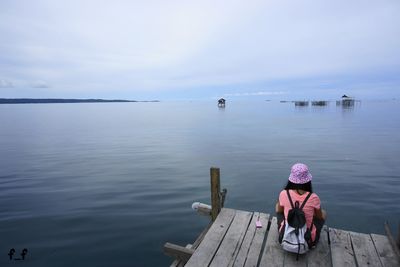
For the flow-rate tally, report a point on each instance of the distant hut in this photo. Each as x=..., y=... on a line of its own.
x=221, y=102
x=301, y=103
x=319, y=103
x=346, y=101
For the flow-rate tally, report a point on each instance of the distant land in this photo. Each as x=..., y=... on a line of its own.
x=62, y=100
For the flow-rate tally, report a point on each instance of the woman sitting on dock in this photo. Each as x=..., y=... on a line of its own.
x=299, y=187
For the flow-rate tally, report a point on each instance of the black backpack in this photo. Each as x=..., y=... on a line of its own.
x=295, y=236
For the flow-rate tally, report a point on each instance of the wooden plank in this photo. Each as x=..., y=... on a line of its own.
x=250, y=249
x=179, y=252
x=256, y=246
x=341, y=250
x=273, y=252
x=392, y=242
x=208, y=247
x=248, y=239
x=290, y=260
x=364, y=250
x=178, y=262
x=385, y=251
x=321, y=254
x=233, y=239
x=201, y=237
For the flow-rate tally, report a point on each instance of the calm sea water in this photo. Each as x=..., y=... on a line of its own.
x=109, y=184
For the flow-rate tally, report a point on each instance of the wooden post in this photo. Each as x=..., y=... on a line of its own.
x=215, y=193
x=398, y=235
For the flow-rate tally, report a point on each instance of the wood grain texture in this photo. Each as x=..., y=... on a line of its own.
x=178, y=262
x=177, y=251
x=321, y=254
x=290, y=260
x=273, y=253
x=212, y=240
x=385, y=251
x=248, y=240
x=364, y=250
x=232, y=241
x=258, y=240
x=341, y=251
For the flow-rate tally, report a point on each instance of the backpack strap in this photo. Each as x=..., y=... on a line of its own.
x=290, y=199
x=305, y=200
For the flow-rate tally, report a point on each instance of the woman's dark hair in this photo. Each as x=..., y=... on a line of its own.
x=292, y=186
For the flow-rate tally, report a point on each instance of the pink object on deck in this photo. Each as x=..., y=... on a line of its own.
x=258, y=224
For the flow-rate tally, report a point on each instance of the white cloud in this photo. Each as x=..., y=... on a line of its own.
x=260, y=93
x=6, y=84
x=40, y=84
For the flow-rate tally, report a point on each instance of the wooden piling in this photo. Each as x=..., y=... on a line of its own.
x=215, y=192
x=398, y=235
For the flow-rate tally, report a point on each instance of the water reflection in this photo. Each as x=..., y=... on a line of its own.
x=346, y=103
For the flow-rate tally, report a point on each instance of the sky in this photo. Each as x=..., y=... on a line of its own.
x=180, y=50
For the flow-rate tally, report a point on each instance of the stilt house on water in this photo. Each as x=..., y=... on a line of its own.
x=221, y=102
x=346, y=101
x=301, y=103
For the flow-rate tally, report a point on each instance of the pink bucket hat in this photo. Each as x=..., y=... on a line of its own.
x=300, y=174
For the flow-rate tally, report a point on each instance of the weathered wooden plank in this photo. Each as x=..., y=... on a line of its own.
x=273, y=253
x=258, y=240
x=364, y=250
x=208, y=247
x=178, y=262
x=385, y=251
x=290, y=260
x=232, y=241
x=341, y=251
x=248, y=239
x=201, y=236
x=393, y=243
x=179, y=252
x=250, y=249
x=321, y=254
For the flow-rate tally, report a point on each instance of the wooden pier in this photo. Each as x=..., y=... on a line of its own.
x=233, y=239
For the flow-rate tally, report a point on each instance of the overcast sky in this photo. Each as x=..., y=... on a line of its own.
x=199, y=49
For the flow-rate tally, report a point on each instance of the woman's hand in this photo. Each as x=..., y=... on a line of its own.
x=320, y=214
x=278, y=208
